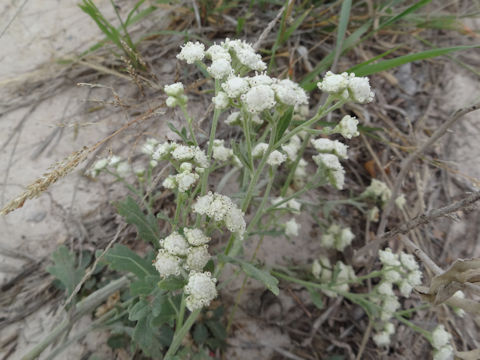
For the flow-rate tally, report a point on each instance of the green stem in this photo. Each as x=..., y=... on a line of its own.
x=418, y=329
x=260, y=212
x=180, y=334
x=248, y=140
x=189, y=123
x=181, y=313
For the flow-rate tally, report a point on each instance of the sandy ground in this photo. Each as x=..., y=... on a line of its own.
x=43, y=32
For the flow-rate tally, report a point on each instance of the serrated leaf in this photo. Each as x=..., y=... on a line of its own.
x=146, y=224
x=139, y=310
x=121, y=258
x=283, y=123
x=171, y=283
x=64, y=268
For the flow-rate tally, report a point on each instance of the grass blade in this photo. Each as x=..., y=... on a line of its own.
x=370, y=69
x=342, y=27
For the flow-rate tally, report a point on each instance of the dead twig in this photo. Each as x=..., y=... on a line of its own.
x=407, y=163
x=419, y=220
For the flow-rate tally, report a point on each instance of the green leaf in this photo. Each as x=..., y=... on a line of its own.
x=162, y=309
x=121, y=258
x=200, y=333
x=143, y=336
x=139, y=310
x=64, y=268
x=171, y=283
x=144, y=286
x=264, y=277
x=391, y=63
x=316, y=297
x=117, y=341
x=217, y=329
x=146, y=225
x=283, y=123
x=342, y=26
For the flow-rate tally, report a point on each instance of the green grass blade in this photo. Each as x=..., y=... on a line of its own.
x=378, y=57
x=342, y=27
x=398, y=61
x=409, y=10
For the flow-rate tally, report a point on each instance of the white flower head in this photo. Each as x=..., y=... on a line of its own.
x=174, y=90
x=114, y=160
x=387, y=257
x=414, y=278
x=234, y=118
x=392, y=276
x=382, y=339
x=260, y=79
x=200, y=158
x=220, y=69
x=183, y=152
x=235, y=221
x=197, y=258
x=440, y=337
x=290, y=93
x=245, y=54
x=259, y=150
x=149, y=146
x=276, y=158
x=235, y=86
x=359, y=89
x=390, y=304
x=291, y=228
x=201, y=290
x=196, y=237
x=192, y=52
x=444, y=353
x=123, y=169
x=186, y=167
x=329, y=161
x=334, y=83
x=175, y=244
x=400, y=201
x=216, y=52
x=100, y=164
x=291, y=149
x=185, y=180
x=169, y=182
x=259, y=98
x=167, y=264
x=408, y=261
x=221, y=101
x=344, y=239
x=347, y=127
x=220, y=152
x=405, y=288
x=385, y=288
x=324, y=145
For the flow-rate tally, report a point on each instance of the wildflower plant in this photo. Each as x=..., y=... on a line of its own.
x=274, y=118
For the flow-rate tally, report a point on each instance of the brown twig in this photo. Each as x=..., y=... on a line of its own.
x=407, y=163
x=420, y=220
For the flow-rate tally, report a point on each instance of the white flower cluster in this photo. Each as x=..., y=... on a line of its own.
x=337, y=238
x=229, y=61
x=347, y=86
x=121, y=167
x=292, y=147
x=175, y=95
x=235, y=118
x=300, y=174
x=200, y=289
x=347, y=127
x=380, y=191
x=221, y=209
x=184, y=180
x=327, y=146
x=323, y=270
x=334, y=170
x=291, y=205
x=401, y=270
x=441, y=340
x=188, y=252
x=291, y=228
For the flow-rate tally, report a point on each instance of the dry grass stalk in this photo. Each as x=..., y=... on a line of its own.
x=63, y=168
